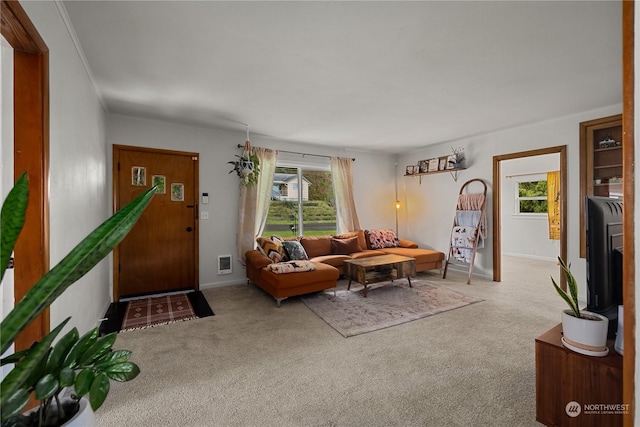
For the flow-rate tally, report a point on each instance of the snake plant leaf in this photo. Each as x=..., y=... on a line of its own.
x=15, y=357
x=83, y=382
x=564, y=296
x=18, y=376
x=97, y=349
x=122, y=371
x=12, y=219
x=13, y=404
x=78, y=349
x=60, y=351
x=76, y=264
x=99, y=391
x=572, y=284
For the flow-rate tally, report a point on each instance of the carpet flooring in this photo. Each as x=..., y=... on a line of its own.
x=155, y=310
x=257, y=364
x=387, y=304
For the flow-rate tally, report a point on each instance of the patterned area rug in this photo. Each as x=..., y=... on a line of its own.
x=143, y=313
x=154, y=310
x=387, y=304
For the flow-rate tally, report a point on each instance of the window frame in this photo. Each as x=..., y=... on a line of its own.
x=302, y=166
x=518, y=199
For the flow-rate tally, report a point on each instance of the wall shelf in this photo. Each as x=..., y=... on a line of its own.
x=454, y=174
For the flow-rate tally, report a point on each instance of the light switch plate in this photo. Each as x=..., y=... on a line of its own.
x=204, y=215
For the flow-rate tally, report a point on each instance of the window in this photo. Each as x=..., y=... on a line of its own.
x=531, y=198
x=301, y=192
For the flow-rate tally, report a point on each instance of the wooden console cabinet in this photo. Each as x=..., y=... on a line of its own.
x=564, y=376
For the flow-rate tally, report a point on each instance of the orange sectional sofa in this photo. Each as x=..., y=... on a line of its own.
x=327, y=254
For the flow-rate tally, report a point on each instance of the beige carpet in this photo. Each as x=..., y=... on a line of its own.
x=253, y=364
x=387, y=304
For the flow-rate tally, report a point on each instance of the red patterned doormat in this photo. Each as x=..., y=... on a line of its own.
x=154, y=311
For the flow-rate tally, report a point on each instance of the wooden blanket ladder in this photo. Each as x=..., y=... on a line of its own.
x=469, y=227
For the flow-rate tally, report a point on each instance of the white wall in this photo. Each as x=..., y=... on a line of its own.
x=373, y=181
x=429, y=214
x=526, y=235
x=78, y=194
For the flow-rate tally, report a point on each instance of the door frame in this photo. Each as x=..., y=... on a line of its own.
x=497, y=220
x=114, y=175
x=31, y=155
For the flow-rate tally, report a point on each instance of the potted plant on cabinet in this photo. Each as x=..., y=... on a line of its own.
x=59, y=375
x=583, y=331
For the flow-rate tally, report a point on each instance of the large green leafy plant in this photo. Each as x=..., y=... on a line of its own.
x=86, y=364
x=571, y=298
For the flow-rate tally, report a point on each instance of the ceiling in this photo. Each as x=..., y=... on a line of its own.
x=383, y=76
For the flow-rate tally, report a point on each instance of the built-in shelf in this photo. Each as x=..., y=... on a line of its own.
x=453, y=172
x=600, y=161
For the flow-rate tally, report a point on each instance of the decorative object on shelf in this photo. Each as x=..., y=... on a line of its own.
x=45, y=371
x=583, y=331
x=411, y=169
x=456, y=159
x=442, y=163
x=247, y=167
x=423, y=166
x=608, y=142
x=433, y=165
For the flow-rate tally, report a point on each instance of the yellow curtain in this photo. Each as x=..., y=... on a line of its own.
x=553, y=204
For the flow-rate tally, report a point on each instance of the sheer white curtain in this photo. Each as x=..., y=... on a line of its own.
x=254, y=203
x=341, y=175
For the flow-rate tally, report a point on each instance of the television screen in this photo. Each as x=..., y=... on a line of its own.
x=604, y=256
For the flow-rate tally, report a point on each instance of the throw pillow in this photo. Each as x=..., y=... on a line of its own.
x=345, y=246
x=362, y=241
x=271, y=248
x=294, y=250
x=316, y=246
x=382, y=238
x=291, y=267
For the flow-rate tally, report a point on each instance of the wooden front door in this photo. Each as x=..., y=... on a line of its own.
x=160, y=253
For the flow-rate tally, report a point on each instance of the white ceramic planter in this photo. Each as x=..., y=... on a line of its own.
x=85, y=416
x=585, y=335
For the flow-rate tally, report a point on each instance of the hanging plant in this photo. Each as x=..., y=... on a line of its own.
x=247, y=167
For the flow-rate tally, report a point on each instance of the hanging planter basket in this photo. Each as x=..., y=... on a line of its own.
x=247, y=167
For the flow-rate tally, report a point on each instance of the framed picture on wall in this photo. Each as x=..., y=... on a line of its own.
x=442, y=163
x=138, y=176
x=177, y=192
x=160, y=182
x=423, y=166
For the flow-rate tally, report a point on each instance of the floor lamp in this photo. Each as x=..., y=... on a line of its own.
x=397, y=209
x=397, y=202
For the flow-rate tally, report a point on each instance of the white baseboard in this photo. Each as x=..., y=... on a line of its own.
x=542, y=258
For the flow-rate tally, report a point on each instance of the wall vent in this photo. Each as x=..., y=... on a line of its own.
x=224, y=264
